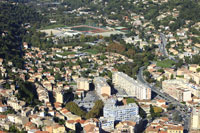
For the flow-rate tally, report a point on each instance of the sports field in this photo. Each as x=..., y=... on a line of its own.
x=85, y=28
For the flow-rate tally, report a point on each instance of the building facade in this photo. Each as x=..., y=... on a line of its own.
x=177, y=90
x=131, y=86
x=101, y=86
x=59, y=96
x=128, y=112
x=83, y=83
x=195, y=119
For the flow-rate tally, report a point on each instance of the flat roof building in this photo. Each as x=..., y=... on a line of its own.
x=101, y=86
x=178, y=89
x=83, y=83
x=128, y=112
x=131, y=86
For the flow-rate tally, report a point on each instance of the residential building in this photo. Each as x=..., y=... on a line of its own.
x=83, y=83
x=3, y=108
x=106, y=124
x=59, y=96
x=101, y=86
x=162, y=125
x=178, y=89
x=131, y=86
x=121, y=113
x=195, y=119
x=125, y=126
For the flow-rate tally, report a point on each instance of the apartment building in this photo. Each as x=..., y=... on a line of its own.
x=177, y=89
x=131, y=86
x=83, y=83
x=195, y=119
x=59, y=95
x=128, y=112
x=101, y=86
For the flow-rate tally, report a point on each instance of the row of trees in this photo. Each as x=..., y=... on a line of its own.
x=95, y=112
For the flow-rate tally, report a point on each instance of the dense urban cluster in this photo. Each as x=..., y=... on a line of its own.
x=98, y=66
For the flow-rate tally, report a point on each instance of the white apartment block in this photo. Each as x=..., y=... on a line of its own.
x=131, y=86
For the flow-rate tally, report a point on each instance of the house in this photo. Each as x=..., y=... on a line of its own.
x=26, y=111
x=3, y=118
x=21, y=120
x=125, y=126
x=71, y=124
x=193, y=67
x=175, y=129
x=3, y=108
x=90, y=128
x=29, y=126
x=160, y=102
x=55, y=128
x=169, y=73
x=11, y=117
x=1, y=61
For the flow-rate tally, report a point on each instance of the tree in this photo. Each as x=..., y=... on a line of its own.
x=152, y=112
x=142, y=113
x=177, y=117
x=170, y=107
x=58, y=76
x=155, y=111
x=96, y=110
x=74, y=108
x=198, y=69
x=147, y=74
x=172, y=76
x=179, y=64
x=161, y=70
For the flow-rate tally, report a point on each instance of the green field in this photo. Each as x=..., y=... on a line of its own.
x=83, y=28
x=52, y=26
x=66, y=53
x=91, y=51
x=165, y=63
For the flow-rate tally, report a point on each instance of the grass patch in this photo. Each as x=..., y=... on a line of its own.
x=83, y=28
x=91, y=51
x=66, y=53
x=165, y=63
x=180, y=76
x=53, y=26
x=130, y=100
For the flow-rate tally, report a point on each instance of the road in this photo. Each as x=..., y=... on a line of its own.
x=182, y=108
x=163, y=45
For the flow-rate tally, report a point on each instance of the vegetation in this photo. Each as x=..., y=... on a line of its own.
x=177, y=117
x=165, y=63
x=13, y=129
x=27, y=92
x=171, y=107
x=9, y=111
x=130, y=100
x=74, y=108
x=155, y=111
x=13, y=19
x=95, y=112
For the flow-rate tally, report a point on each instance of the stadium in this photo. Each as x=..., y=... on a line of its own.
x=88, y=29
